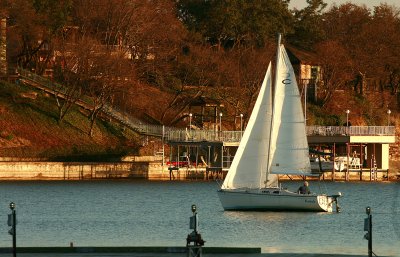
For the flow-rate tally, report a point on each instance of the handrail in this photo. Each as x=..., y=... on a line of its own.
x=235, y=136
x=203, y=135
x=176, y=134
x=127, y=120
x=351, y=130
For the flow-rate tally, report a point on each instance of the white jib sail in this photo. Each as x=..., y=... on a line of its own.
x=249, y=166
x=289, y=146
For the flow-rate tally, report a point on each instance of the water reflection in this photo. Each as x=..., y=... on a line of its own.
x=140, y=213
x=266, y=216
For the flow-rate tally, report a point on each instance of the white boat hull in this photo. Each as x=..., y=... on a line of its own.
x=273, y=199
x=325, y=166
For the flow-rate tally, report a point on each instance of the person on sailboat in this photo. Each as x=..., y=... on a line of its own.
x=304, y=189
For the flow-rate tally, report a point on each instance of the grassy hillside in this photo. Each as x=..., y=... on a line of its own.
x=29, y=128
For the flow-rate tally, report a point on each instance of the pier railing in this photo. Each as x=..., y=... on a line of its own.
x=351, y=130
x=203, y=135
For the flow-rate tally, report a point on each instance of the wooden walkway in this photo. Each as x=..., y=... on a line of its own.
x=156, y=252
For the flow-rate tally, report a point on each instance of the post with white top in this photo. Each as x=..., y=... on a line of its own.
x=220, y=127
x=194, y=242
x=241, y=126
x=12, y=222
x=347, y=121
x=347, y=117
x=190, y=124
x=368, y=228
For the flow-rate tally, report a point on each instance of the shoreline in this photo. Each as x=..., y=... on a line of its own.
x=152, y=169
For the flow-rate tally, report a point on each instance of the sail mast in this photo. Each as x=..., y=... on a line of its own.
x=278, y=51
x=273, y=108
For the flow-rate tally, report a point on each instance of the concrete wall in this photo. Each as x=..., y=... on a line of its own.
x=13, y=170
x=385, y=156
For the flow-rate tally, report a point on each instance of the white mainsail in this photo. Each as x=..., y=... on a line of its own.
x=289, y=147
x=249, y=166
x=274, y=142
x=289, y=153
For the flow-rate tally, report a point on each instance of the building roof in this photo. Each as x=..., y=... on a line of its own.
x=298, y=56
x=204, y=101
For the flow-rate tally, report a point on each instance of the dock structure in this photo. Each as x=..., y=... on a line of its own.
x=356, y=152
x=363, y=151
x=205, y=154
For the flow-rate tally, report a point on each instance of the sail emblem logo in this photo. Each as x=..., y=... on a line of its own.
x=287, y=80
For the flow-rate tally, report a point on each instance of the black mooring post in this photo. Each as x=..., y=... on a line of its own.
x=13, y=230
x=368, y=228
x=14, y=233
x=370, y=237
x=194, y=241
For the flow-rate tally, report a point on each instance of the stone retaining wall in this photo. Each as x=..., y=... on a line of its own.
x=13, y=170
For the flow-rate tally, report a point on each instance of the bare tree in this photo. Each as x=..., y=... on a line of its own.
x=34, y=25
x=111, y=73
x=336, y=69
x=243, y=71
x=74, y=71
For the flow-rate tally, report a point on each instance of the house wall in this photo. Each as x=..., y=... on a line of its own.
x=385, y=156
x=381, y=154
x=305, y=71
x=310, y=72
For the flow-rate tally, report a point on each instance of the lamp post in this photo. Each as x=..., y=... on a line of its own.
x=220, y=124
x=190, y=122
x=389, y=112
x=241, y=124
x=347, y=117
x=219, y=134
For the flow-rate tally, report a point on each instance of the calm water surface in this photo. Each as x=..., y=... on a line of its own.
x=142, y=213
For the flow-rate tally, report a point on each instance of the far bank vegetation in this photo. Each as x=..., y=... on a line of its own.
x=153, y=59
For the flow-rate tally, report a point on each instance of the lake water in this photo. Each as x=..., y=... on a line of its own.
x=144, y=213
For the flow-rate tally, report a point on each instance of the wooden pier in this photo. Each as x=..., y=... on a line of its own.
x=208, y=154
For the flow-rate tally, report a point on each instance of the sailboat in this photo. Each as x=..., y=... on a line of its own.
x=274, y=142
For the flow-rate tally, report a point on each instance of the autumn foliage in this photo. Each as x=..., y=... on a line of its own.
x=154, y=58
